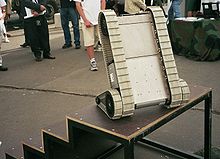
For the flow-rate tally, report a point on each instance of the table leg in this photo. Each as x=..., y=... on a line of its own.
x=208, y=126
x=129, y=150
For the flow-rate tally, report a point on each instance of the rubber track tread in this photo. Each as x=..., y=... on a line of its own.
x=117, y=103
x=113, y=51
x=179, y=90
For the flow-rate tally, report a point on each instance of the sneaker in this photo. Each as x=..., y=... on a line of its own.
x=93, y=65
x=2, y=68
x=65, y=46
x=6, y=40
x=38, y=59
x=77, y=46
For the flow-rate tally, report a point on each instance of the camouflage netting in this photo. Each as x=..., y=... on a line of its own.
x=198, y=40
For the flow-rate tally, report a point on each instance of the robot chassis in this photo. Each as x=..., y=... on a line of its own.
x=139, y=62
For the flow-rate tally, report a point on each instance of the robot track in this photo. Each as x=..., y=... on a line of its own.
x=114, y=57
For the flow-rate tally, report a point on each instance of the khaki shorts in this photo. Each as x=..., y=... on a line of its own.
x=90, y=35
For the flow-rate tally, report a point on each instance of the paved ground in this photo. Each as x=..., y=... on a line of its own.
x=34, y=95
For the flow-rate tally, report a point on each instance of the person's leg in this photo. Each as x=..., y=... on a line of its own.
x=64, y=15
x=0, y=60
x=176, y=8
x=5, y=34
x=2, y=68
x=26, y=34
x=75, y=22
x=88, y=36
x=34, y=41
x=90, y=52
x=97, y=44
x=91, y=55
x=44, y=38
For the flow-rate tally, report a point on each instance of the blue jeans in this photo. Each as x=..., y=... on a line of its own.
x=174, y=11
x=70, y=14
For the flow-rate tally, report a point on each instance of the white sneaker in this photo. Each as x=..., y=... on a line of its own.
x=6, y=40
x=93, y=65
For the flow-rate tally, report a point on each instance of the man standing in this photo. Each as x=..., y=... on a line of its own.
x=2, y=16
x=134, y=6
x=68, y=12
x=174, y=10
x=89, y=10
x=17, y=7
x=37, y=27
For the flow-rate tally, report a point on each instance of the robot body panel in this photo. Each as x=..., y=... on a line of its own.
x=139, y=63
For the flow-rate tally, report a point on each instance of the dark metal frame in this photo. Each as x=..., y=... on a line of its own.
x=128, y=145
x=207, y=129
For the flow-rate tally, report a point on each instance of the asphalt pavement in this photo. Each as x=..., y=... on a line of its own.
x=34, y=95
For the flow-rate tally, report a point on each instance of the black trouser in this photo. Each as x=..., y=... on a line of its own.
x=26, y=33
x=39, y=35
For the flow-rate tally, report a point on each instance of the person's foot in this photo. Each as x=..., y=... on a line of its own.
x=38, y=59
x=65, y=46
x=25, y=45
x=77, y=46
x=2, y=68
x=93, y=65
x=49, y=57
x=6, y=40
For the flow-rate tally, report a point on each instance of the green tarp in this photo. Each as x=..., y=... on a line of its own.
x=197, y=40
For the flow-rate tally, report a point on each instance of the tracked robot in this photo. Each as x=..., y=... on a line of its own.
x=139, y=62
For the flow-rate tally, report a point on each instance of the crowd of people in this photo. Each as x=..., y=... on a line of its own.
x=36, y=28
